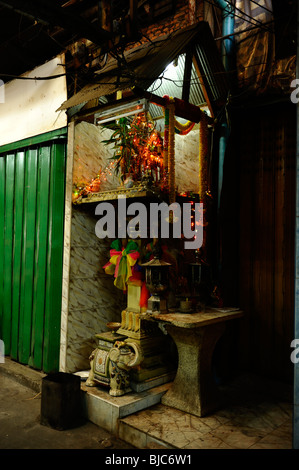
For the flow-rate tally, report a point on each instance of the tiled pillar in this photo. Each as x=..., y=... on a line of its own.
x=296, y=328
x=67, y=247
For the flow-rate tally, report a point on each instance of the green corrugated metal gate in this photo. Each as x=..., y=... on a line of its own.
x=32, y=186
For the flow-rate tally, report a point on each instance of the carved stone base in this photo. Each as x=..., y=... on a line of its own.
x=99, y=359
x=158, y=349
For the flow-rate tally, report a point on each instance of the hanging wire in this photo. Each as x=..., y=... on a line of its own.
x=261, y=6
x=119, y=56
x=177, y=82
x=18, y=77
x=262, y=25
x=243, y=13
x=243, y=31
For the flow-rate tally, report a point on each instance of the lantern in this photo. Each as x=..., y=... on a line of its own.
x=156, y=278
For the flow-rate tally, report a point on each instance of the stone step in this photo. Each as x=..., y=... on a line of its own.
x=138, y=430
x=106, y=411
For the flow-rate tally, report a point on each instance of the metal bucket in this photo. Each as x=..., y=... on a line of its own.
x=61, y=404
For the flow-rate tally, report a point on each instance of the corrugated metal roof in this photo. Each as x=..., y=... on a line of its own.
x=171, y=84
x=142, y=66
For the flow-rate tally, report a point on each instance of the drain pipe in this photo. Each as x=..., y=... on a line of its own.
x=228, y=60
x=227, y=55
x=227, y=29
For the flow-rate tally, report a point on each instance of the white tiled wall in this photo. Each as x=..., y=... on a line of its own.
x=90, y=299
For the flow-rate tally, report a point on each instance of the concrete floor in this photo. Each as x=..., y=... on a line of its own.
x=20, y=426
x=257, y=415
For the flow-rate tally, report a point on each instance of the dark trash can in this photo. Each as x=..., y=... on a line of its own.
x=61, y=404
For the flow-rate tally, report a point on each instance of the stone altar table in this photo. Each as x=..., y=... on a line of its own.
x=195, y=335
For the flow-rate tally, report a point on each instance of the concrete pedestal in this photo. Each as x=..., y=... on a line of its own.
x=105, y=411
x=195, y=335
x=193, y=389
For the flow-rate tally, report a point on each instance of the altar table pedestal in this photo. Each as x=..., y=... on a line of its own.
x=195, y=335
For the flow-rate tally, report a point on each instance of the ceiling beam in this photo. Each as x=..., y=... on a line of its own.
x=187, y=76
x=183, y=109
x=49, y=13
x=204, y=84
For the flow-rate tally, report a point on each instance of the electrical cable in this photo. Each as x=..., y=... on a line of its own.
x=261, y=6
x=243, y=13
x=119, y=56
x=237, y=33
x=17, y=77
x=262, y=26
x=129, y=77
x=256, y=24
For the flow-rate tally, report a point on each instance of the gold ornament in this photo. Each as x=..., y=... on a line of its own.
x=171, y=157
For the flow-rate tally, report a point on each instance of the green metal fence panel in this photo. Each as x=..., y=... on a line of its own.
x=17, y=249
x=54, y=257
x=2, y=218
x=41, y=246
x=29, y=231
x=32, y=185
x=8, y=253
